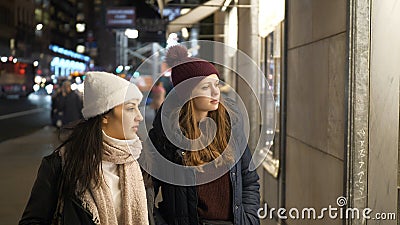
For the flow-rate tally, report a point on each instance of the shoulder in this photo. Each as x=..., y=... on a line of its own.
x=53, y=157
x=52, y=162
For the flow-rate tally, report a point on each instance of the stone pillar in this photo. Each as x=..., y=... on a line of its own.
x=373, y=122
x=249, y=43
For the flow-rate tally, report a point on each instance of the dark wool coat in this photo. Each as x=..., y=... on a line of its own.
x=179, y=205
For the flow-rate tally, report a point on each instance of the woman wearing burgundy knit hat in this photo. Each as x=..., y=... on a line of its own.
x=230, y=197
x=94, y=176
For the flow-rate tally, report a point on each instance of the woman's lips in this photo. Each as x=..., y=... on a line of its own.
x=214, y=101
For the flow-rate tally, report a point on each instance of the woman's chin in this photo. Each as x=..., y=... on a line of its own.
x=214, y=107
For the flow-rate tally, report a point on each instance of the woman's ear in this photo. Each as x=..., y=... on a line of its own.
x=104, y=119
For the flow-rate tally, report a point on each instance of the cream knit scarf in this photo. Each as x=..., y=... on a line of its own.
x=134, y=204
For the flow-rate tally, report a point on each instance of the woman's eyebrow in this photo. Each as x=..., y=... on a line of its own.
x=131, y=103
x=210, y=82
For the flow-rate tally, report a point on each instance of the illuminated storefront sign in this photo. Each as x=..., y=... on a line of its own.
x=70, y=53
x=120, y=17
x=64, y=67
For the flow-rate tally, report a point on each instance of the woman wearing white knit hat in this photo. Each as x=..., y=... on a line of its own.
x=94, y=176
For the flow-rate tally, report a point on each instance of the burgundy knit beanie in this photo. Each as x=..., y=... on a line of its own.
x=185, y=67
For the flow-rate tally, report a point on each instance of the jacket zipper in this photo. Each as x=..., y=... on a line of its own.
x=231, y=175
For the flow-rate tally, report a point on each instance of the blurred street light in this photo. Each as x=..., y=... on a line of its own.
x=39, y=26
x=132, y=33
x=49, y=89
x=38, y=79
x=80, y=49
x=36, y=87
x=136, y=74
x=80, y=27
x=4, y=59
x=35, y=63
x=119, y=69
x=15, y=60
x=185, y=32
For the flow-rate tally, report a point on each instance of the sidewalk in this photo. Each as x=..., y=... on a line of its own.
x=19, y=161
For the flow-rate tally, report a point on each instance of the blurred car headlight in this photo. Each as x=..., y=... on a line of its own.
x=49, y=89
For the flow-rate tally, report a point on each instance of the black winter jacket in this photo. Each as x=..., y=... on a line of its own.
x=43, y=200
x=179, y=205
x=44, y=197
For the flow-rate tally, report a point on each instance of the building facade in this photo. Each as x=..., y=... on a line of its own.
x=333, y=71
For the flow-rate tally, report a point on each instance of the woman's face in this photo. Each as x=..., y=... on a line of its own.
x=123, y=121
x=207, y=94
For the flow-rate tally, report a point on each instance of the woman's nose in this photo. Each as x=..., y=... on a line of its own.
x=139, y=117
x=215, y=91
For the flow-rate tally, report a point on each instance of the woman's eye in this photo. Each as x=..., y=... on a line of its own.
x=205, y=88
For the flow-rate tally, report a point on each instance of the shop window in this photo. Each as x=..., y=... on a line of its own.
x=272, y=68
x=272, y=64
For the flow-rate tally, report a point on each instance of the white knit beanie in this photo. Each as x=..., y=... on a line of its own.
x=103, y=91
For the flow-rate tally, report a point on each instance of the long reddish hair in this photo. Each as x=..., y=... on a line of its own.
x=219, y=144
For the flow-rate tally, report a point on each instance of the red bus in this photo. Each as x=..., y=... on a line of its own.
x=16, y=78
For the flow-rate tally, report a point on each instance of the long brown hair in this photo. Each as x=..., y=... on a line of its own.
x=219, y=144
x=83, y=150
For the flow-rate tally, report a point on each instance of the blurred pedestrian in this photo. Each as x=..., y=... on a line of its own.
x=56, y=111
x=94, y=176
x=157, y=95
x=70, y=104
x=233, y=196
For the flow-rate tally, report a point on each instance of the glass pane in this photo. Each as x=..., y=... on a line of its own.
x=273, y=73
x=272, y=68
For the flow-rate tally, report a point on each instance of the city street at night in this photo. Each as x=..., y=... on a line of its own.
x=195, y=112
x=25, y=138
x=24, y=115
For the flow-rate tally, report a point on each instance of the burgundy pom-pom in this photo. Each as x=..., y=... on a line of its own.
x=176, y=55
